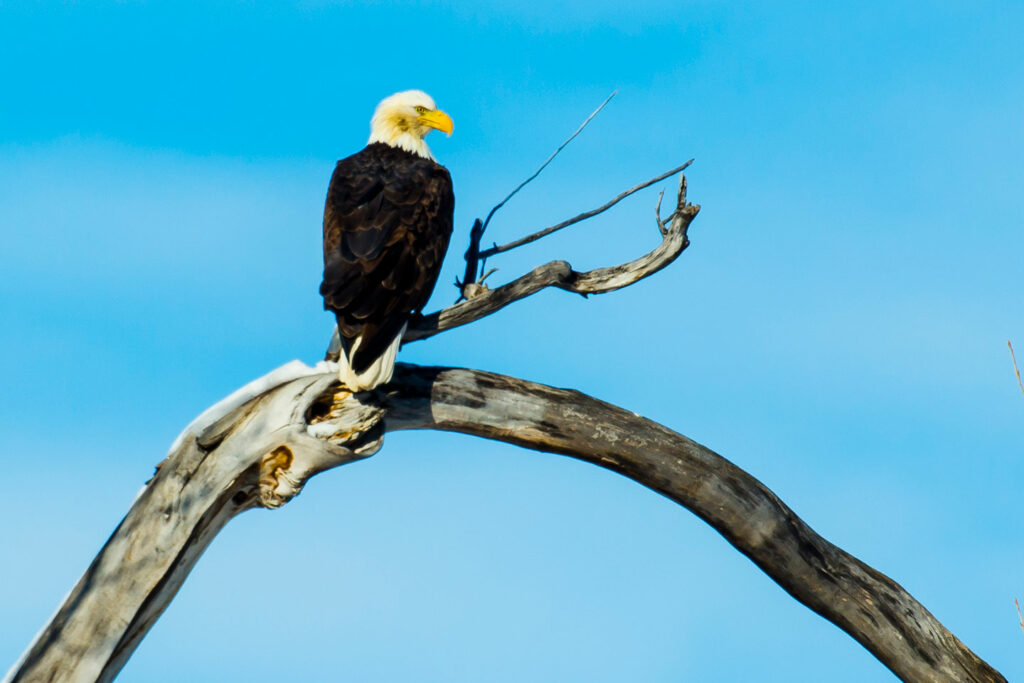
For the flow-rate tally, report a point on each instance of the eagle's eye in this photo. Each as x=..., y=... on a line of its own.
x=420, y=109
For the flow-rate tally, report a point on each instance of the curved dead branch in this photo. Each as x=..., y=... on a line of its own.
x=484, y=301
x=868, y=605
x=260, y=451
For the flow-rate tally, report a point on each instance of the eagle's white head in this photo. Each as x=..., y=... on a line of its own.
x=405, y=118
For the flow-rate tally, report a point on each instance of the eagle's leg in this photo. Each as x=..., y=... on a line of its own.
x=380, y=370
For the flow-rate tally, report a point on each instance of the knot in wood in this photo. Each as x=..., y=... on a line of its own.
x=276, y=487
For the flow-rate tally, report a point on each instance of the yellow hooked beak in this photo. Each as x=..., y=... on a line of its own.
x=438, y=120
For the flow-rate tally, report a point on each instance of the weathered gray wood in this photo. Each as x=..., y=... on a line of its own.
x=257, y=454
x=862, y=601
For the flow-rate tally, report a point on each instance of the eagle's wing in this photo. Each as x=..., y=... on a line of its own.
x=387, y=223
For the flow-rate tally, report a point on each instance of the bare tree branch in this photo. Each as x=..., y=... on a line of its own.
x=487, y=253
x=260, y=451
x=869, y=606
x=657, y=215
x=477, y=231
x=560, y=274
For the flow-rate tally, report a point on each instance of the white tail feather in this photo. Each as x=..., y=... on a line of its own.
x=378, y=373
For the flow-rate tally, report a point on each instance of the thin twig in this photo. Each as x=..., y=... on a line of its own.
x=487, y=253
x=477, y=233
x=1015, y=369
x=548, y=161
x=657, y=215
x=1020, y=617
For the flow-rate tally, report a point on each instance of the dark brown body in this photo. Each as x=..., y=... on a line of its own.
x=387, y=223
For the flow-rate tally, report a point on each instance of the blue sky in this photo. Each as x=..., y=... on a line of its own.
x=837, y=328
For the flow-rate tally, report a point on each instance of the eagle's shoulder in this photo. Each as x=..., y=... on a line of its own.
x=380, y=191
x=388, y=218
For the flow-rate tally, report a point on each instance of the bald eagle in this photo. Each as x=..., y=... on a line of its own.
x=387, y=222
